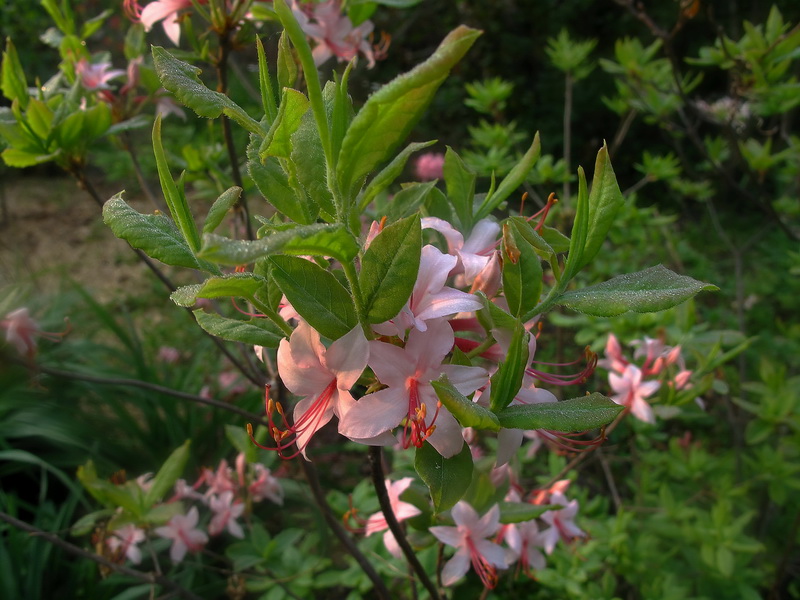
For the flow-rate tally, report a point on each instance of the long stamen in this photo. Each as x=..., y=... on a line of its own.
x=485, y=571
x=568, y=379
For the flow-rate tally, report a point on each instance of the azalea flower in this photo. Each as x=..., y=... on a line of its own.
x=322, y=376
x=165, y=11
x=181, y=529
x=429, y=166
x=525, y=541
x=409, y=396
x=402, y=510
x=631, y=391
x=96, y=76
x=561, y=521
x=469, y=538
x=226, y=511
x=125, y=540
x=21, y=331
x=430, y=299
x=333, y=32
x=614, y=360
x=265, y=486
x=475, y=252
x=657, y=354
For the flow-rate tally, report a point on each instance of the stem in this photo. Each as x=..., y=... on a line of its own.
x=339, y=531
x=272, y=316
x=137, y=169
x=222, y=86
x=102, y=560
x=379, y=481
x=355, y=292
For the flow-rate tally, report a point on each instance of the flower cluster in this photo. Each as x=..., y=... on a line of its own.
x=227, y=495
x=633, y=384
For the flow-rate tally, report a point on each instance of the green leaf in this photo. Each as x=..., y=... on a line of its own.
x=182, y=79
x=235, y=285
x=507, y=380
x=511, y=181
x=274, y=185
x=651, y=290
x=156, y=235
x=406, y=201
x=389, y=114
x=39, y=117
x=167, y=475
x=319, y=239
x=389, y=269
x=580, y=230
x=574, y=415
x=97, y=121
x=255, y=332
x=539, y=243
x=278, y=141
x=265, y=84
x=220, y=208
x=466, y=412
x=22, y=158
x=460, y=182
x=316, y=295
x=522, y=271
x=12, y=76
x=519, y=512
x=287, y=65
x=174, y=197
x=389, y=173
x=447, y=478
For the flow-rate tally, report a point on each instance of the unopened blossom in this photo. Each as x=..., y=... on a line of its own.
x=402, y=511
x=630, y=391
x=469, y=537
x=431, y=298
x=182, y=530
x=429, y=166
x=165, y=11
x=126, y=540
x=96, y=76
x=226, y=511
x=322, y=376
x=561, y=521
x=333, y=32
x=409, y=397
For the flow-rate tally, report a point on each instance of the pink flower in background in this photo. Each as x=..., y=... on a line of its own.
x=265, y=486
x=429, y=166
x=20, y=331
x=96, y=76
x=658, y=356
x=168, y=355
x=166, y=106
x=125, y=540
x=226, y=511
x=469, y=538
x=182, y=530
x=409, y=395
x=525, y=541
x=402, y=510
x=614, y=360
x=630, y=391
x=561, y=521
x=333, y=32
x=165, y=11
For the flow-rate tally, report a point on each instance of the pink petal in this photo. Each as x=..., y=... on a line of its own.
x=455, y=568
x=375, y=413
x=347, y=357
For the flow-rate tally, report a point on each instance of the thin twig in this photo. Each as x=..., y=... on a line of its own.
x=612, y=486
x=379, y=481
x=102, y=560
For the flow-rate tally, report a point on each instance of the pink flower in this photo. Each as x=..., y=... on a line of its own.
x=166, y=106
x=181, y=529
x=266, y=486
x=429, y=166
x=125, y=540
x=410, y=396
x=614, y=360
x=402, y=510
x=473, y=254
x=524, y=539
x=226, y=511
x=220, y=481
x=333, y=32
x=167, y=12
x=96, y=76
x=430, y=299
x=20, y=331
x=322, y=376
x=469, y=538
x=561, y=521
x=631, y=392
x=658, y=355
x=168, y=355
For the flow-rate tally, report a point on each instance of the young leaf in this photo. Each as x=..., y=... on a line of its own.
x=220, y=208
x=182, y=79
x=255, y=332
x=277, y=142
x=447, y=478
x=460, y=182
x=389, y=269
x=507, y=380
x=511, y=181
x=167, y=475
x=318, y=240
x=522, y=271
x=235, y=285
x=265, y=84
x=389, y=173
x=12, y=77
x=274, y=185
x=466, y=412
x=389, y=114
x=406, y=201
x=316, y=295
x=156, y=235
x=574, y=415
x=651, y=290
x=580, y=231
x=287, y=66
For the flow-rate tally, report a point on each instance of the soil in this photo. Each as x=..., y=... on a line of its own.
x=52, y=232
